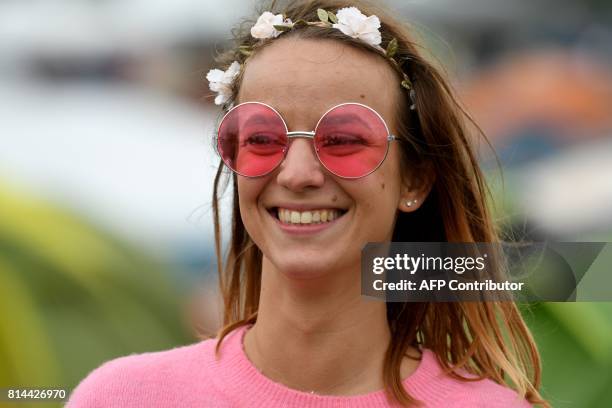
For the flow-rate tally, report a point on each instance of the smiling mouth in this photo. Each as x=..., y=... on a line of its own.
x=293, y=217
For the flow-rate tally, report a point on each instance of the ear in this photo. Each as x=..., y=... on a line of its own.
x=415, y=188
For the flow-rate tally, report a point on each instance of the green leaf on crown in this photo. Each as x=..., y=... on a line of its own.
x=323, y=16
x=283, y=27
x=391, y=48
x=245, y=50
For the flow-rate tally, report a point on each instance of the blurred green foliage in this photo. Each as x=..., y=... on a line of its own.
x=574, y=339
x=73, y=297
x=575, y=343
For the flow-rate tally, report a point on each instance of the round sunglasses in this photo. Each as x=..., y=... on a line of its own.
x=350, y=140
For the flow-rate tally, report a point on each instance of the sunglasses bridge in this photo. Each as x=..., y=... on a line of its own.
x=297, y=134
x=293, y=135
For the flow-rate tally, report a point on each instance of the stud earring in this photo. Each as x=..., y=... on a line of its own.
x=410, y=202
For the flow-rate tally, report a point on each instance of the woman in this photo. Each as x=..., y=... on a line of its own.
x=297, y=331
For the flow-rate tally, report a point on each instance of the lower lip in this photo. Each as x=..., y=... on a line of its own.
x=305, y=229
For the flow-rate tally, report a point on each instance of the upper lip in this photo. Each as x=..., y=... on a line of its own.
x=306, y=207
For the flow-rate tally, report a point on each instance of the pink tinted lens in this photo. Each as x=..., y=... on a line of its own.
x=252, y=139
x=351, y=140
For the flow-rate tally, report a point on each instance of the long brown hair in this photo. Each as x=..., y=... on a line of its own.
x=485, y=339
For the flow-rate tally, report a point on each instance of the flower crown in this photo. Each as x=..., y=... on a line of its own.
x=350, y=20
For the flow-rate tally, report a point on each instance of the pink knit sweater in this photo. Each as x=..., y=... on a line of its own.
x=191, y=376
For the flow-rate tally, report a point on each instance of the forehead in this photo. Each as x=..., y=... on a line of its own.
x=303, y=78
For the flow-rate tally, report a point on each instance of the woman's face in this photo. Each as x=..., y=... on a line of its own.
x=302, y=79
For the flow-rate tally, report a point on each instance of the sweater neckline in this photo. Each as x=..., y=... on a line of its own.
x=238, y=372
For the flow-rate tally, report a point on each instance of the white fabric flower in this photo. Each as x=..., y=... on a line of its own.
x=264, y=27
x=221, y=82
x=354, y=24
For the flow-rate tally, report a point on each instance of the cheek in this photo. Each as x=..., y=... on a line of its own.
x=381, y=197
x=249, y=191
x=386, y=186
x=377, y=197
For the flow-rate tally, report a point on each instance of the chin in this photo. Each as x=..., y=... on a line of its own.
x=303, y=270
x=308, y=266
x=298, y=264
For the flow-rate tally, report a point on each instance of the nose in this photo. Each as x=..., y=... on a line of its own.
x=301, y=168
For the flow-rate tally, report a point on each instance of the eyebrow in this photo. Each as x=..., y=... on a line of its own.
x=346, y=118
x=259, y=119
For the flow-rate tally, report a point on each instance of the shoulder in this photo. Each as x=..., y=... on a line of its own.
x=147, y=378
x=488, y=393
x=453, y=392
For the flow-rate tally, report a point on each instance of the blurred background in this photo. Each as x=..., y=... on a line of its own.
x=106, y=168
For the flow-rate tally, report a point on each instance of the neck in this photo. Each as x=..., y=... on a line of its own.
x=329, y=341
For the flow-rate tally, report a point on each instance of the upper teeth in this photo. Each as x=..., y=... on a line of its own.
x=307, y=217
